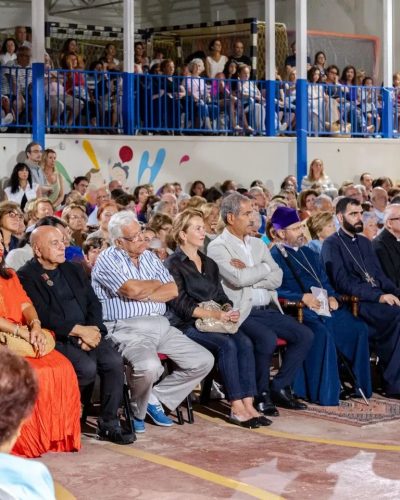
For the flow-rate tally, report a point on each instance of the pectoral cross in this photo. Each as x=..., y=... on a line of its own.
x=369, y=279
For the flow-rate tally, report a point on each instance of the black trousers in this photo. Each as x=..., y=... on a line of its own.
x=263, y=327
x=105, y=361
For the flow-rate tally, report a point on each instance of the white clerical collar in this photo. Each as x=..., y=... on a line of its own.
x=293, y=248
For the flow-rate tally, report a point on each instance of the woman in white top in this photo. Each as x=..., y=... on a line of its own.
x=21, y=188
x=8, y=51
x=316, y=177
x=54, y=187
x=197, y=89
x=215, y=63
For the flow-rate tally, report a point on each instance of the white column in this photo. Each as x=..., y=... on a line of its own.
x=38, y=19
x=129, y=35
x=270, y=39
x=387, y=43
x=301, y=39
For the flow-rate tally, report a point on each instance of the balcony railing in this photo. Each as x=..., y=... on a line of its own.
x=94, y=102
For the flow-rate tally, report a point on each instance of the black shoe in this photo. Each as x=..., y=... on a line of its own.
x=265, y=406
x=264, y=421
x=285, y=399
x=252, y=423
x=114, y=434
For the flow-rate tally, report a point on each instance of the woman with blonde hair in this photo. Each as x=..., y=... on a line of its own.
x=316, y=177
x=321, y=225
x=212, y=221
x=76, y=218
x=196, y=202
x=198, y=280
x=54, y=181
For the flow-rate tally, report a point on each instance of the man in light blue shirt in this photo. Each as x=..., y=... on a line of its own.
x=133, y=286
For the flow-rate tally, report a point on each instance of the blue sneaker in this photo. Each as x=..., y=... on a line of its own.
x=156, y=413
x=138, y=425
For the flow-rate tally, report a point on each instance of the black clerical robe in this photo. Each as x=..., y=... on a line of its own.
x=387, y=248
x=347, y=260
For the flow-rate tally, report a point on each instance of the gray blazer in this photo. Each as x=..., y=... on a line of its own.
x=238, y=283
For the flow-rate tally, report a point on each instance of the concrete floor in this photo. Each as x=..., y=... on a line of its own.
x=297, y=457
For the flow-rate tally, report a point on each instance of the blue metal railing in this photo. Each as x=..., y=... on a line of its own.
x=16, y=97
x=90, y=101
x=83, y=100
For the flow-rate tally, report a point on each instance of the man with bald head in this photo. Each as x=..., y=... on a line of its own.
x=387, y=243
x=67, y=305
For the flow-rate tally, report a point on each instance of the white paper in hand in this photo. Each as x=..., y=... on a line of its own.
x=322, y=295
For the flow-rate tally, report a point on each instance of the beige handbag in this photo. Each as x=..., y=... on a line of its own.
x=22, y=347
x=212, y=325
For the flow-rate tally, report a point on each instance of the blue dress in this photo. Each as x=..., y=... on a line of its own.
x=318, y=380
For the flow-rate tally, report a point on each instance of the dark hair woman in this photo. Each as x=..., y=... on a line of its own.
x=21, y=188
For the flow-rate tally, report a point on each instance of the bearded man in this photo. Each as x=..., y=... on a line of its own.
x=354, y=269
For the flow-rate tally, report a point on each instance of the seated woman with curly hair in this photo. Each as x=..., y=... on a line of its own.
x=197, y=278
x=54, y=424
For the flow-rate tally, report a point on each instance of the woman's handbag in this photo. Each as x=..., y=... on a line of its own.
x=22, y=347
x=213, y=325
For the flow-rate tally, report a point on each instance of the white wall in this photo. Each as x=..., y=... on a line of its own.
x=211, y=159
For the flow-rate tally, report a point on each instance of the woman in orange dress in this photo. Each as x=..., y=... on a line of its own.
x=55, y=422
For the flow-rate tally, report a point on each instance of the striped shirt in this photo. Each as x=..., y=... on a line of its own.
x=113, y=268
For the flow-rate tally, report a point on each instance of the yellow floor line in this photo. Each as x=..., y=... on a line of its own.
x=248, y=489
x=62, y=493
x=309, y=439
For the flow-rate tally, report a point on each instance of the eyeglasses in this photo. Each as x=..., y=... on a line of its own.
x=133, y=239
x=76, y=217
x=15, y=215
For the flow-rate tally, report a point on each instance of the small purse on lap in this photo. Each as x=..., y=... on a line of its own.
x=22, y=347
x=213, y=325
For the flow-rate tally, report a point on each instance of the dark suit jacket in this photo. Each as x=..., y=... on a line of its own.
x=387, y=248
x=47, y=303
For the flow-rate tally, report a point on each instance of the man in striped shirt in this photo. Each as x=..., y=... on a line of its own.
x=133, y=286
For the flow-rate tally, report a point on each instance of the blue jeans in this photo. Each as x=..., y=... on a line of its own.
x=264, y=327
x=235, y=360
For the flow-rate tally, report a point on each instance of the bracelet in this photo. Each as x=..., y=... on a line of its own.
x=16, y=331
x=35, y=320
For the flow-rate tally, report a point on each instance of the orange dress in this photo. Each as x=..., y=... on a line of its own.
x=55, y=422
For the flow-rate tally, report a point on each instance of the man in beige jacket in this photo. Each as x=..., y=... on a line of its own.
x=250, y=278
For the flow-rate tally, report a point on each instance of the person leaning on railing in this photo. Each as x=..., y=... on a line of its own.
x=167, y=93
x=20, y=82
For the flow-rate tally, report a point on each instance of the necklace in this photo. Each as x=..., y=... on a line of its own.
x=368, y=278
x=311, y=271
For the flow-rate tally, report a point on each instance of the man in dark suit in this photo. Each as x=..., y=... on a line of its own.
x=67, y=305
x=387, y=244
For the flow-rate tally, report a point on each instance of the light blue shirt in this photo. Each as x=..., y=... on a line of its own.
x=113, y=268
x=25, y=479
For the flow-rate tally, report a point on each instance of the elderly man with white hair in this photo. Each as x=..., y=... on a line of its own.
x=387, y=243
x=133, y=286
